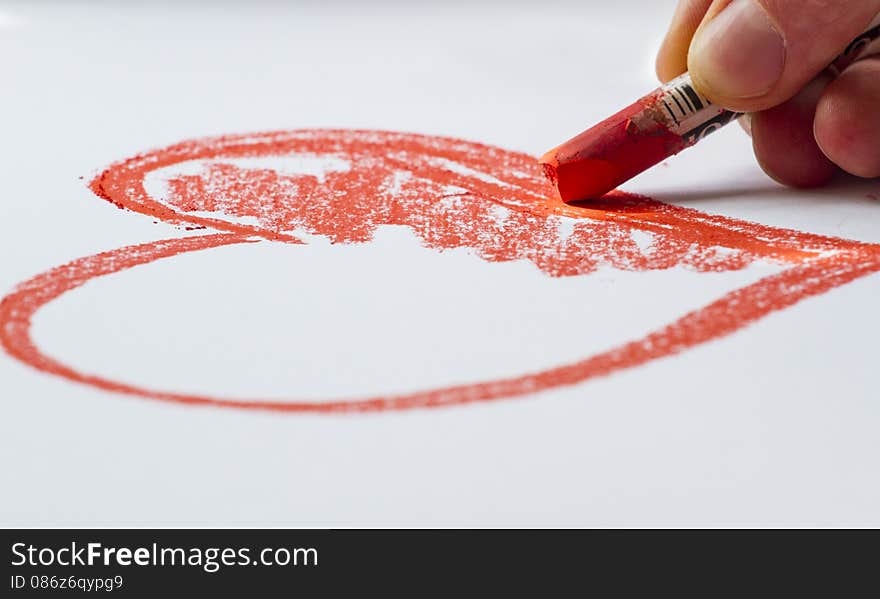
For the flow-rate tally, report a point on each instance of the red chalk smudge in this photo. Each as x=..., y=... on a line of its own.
x=451, y=194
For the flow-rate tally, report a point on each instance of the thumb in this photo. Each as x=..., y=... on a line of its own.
x=750, y=55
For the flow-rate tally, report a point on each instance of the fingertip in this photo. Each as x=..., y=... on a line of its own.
x=751, y=55
x=738, y=55
x=667, y=66
x=847, y=123
x=672, y=58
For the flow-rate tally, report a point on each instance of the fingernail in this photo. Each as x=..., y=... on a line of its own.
x=739, y=53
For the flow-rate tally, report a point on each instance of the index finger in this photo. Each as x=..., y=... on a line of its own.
x=673, y=54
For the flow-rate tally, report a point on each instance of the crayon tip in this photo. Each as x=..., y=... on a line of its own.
x=583, y=179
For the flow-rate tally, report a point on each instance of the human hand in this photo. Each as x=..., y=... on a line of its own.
x=770, y=58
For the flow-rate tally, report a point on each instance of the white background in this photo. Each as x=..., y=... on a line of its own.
x=776, y=424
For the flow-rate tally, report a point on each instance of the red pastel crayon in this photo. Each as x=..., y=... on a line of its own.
x=660, y=125
x=663, y=123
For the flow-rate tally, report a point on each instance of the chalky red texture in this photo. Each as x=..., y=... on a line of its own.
x=450, y=193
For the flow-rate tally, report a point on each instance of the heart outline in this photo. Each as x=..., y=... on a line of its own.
x=816, y=264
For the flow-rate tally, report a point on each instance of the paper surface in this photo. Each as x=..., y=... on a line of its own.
x=774, y=423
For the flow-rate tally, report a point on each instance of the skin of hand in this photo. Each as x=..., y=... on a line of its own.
x=770, y=58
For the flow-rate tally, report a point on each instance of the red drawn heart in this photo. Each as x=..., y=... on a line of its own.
x=451, y=194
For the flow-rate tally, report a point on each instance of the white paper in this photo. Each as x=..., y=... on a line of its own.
x=774, y=424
